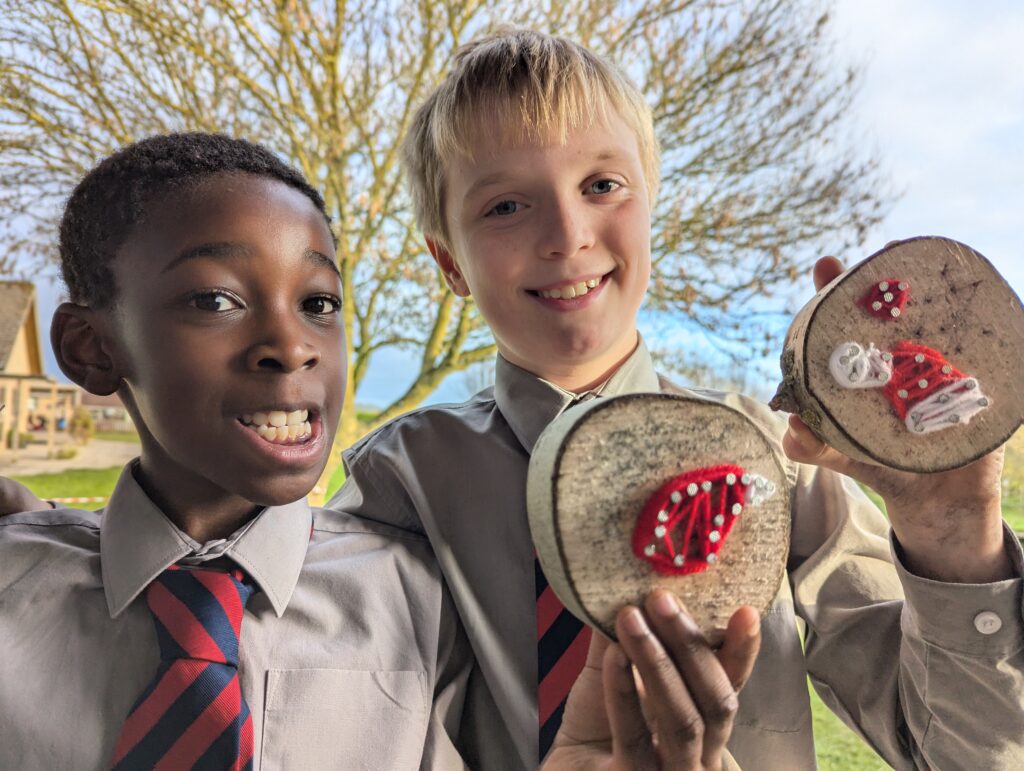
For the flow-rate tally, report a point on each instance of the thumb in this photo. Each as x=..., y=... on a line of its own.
x=826, y=269
x=800, y=444
x=742, y=642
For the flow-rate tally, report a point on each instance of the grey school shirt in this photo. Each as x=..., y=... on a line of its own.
x=930, y=674
x=349, y=653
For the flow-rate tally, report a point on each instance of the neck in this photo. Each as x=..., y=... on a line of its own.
x=581, y=378
x=202, y=514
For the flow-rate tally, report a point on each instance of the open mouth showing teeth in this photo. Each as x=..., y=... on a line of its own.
x=569, y=291
x=280, y=427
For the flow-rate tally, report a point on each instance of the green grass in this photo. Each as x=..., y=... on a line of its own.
x=1013, y=482
x=117, y=436
x=74, y=483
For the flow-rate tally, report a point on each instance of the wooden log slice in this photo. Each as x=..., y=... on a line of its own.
x=911, y=359
x=593, y=475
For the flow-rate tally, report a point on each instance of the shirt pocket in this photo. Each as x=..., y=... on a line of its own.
x=346, y=719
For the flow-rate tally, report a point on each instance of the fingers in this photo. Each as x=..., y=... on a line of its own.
x=826, y=269
x=703, y=675
x=585, y=717
x=742, y=642
x=680, y=727
x=632, y=744
x=801, y=444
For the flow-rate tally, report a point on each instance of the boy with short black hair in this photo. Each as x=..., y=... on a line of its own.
x=533, y=169
x=209, y=618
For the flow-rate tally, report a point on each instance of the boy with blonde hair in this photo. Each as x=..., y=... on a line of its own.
x=533, y=168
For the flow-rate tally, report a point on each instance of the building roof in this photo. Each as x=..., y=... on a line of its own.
x=17, y=307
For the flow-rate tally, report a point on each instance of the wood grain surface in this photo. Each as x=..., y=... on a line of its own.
x=591, y=473
x=959, y=305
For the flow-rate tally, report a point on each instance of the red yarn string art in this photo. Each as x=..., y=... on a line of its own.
x=886, y=299
x=918, y=372
x=684, y=524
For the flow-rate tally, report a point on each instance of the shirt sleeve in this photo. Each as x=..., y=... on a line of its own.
x=930, y=674
x=373, y=487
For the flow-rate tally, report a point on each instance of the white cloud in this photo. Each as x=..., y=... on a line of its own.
x=943, y=99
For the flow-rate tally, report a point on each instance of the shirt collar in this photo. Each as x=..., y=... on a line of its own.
x=138, y=542
x=529, y=403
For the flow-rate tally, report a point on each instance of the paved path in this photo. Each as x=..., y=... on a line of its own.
x=99, y=453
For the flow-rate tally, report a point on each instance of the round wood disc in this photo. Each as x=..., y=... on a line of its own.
x=595, y=469
x=958, y=308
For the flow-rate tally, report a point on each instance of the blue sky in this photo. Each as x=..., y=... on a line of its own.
x=942, y=100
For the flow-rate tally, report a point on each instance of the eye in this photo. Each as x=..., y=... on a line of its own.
x=321, y=305
x=216, y=302
x=504, y=208
x=604, y=186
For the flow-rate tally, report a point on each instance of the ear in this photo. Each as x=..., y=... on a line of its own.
x=82, y=347
x=446, y=262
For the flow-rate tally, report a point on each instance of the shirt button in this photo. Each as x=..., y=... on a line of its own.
x=988, y=622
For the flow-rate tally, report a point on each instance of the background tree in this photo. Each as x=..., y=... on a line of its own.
x=758, y=172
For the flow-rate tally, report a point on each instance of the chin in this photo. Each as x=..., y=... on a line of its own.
x=278, y=492
x=577, y=347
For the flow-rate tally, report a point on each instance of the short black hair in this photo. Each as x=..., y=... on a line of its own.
x=112, y=199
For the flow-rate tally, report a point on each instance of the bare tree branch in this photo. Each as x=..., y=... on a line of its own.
x=759, y=170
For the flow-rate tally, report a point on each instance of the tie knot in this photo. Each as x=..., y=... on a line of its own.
x=198, y=613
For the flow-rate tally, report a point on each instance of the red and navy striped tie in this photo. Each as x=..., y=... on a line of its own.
x=192, y=715
x=562, y=643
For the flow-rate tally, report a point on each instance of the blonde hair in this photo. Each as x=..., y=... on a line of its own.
x=537, y=87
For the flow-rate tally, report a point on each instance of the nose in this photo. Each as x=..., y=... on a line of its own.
x=284, y=345
x=568, y=229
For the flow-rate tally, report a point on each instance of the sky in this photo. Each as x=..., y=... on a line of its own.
x=942, y=102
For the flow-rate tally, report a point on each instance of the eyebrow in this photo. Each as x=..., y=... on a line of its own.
x=490, y=179
x=322, y=260
x=501, y=176
x=224, y=249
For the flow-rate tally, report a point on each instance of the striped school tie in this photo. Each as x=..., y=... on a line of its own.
x=192, y=715
x=562, y=643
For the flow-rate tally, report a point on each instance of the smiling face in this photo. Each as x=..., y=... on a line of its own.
x=553, y=242
x=227, y=324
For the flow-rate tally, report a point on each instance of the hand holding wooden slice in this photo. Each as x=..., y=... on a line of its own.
x=912, y=359
x=629, y=493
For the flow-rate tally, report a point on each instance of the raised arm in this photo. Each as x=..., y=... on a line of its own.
x=924, y=658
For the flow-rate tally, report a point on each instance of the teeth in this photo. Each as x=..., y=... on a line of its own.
x=279, y=426
x=286, y=433
x=276, y=418
x=569, y=292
